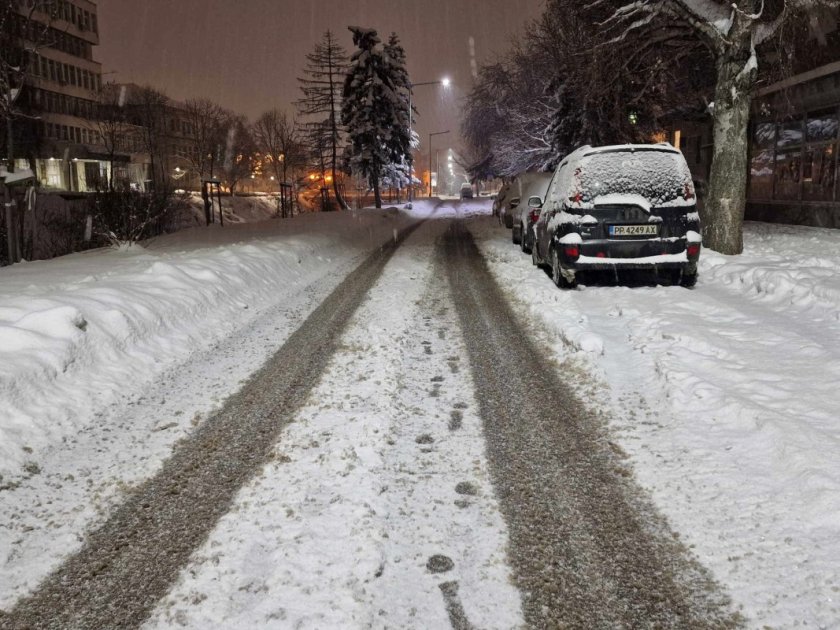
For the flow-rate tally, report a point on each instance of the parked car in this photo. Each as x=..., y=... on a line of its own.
x=528, y=211
x=620, y=207
x=466, y=191
x=509, y=209
x=499, y=199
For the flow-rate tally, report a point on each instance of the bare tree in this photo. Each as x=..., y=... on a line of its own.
x=279, y=142
x=24, y=28
x=147, y=110
x=546, y=96
x=321, y=86
x=239, y=154
x=210, y=124
x=733, y=31
x=111, y=123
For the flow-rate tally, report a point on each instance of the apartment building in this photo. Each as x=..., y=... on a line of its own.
x=64, y=82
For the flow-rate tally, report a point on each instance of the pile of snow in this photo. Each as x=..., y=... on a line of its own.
x=238, y=209
x=726, y=399
x=82, y=331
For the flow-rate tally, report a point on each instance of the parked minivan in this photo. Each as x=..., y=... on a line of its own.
x=528, y=211
x=620, y=207
x=509, y=210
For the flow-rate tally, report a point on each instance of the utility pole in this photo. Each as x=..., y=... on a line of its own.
x=431, y=135
x=445, y=83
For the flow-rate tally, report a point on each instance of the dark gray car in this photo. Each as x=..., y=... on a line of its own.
x=620, y=207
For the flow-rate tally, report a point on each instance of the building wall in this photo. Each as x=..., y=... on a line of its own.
x=794, y=147
x=63, y=89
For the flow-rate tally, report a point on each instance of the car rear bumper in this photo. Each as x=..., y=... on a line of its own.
x=632, y=254
x=662, y=261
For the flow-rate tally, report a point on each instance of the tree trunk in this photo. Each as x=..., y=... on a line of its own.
x=377, y=194
x=12, y=233
x=726, y=200
x=206, y=199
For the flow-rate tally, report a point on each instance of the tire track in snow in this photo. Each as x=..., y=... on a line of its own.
x=588, y=548
x=129, y=563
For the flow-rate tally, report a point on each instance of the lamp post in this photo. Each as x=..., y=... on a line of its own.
x=431, y=135
x=445, y=82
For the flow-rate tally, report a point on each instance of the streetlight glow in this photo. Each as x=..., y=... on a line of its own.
x=446, y=82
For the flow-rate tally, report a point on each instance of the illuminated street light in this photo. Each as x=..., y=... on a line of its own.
x=445, y=82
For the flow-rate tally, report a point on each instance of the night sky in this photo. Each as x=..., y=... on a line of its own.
x=247, y=54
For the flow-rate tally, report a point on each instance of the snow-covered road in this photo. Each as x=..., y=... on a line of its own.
x=723, y=398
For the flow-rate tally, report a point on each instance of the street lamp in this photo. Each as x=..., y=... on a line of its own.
x=445, y=82
x=431, y=135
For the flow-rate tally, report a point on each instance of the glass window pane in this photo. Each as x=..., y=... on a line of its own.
x=822, y=127
x=787, y=175
x=764, y=135
x=818, y=173
x=790, y=134
x=761, y=175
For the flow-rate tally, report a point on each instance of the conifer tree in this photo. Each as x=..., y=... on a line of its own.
x=375, y=107
x=325, y=68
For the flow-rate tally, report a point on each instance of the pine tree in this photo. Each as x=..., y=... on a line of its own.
x=404, y=166
x=375, y=109
x=321, y=87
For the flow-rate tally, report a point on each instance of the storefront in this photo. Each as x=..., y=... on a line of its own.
x=794, y=150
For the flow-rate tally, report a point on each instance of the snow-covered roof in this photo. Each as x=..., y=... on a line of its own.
x=663, y=146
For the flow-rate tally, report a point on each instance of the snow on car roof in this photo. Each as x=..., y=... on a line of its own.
x=664, y=146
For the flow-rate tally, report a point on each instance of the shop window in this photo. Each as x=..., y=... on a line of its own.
x=822, y=127
x=819, y=173
x=790, y=134
x=761, y=175
x=764, y=135
x=787, y=176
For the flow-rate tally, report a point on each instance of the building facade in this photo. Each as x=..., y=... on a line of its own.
x=795, y=142
x=62, y=139
x=794, y=139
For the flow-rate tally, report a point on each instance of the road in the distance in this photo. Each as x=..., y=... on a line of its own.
x=587, y=548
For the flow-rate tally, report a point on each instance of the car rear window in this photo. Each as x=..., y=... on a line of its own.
x=660, y=177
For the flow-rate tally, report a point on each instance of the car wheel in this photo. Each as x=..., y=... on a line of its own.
x=557, y=273
x=688, y=280
x=508, y=221
x=515, y=235
x=523, y=245
x=683, y=278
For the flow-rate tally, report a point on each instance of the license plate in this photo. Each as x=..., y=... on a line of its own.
x=634, y=230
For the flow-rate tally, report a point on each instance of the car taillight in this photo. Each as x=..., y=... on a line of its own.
x=577, y=197
x=693, y=250
x=534, y=215
x=688, y=191
x=571, y=251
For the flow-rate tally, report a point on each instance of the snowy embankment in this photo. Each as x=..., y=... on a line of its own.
x=726, y=399
x=84, y=331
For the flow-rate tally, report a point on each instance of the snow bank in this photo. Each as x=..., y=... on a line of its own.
x=79, y=332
